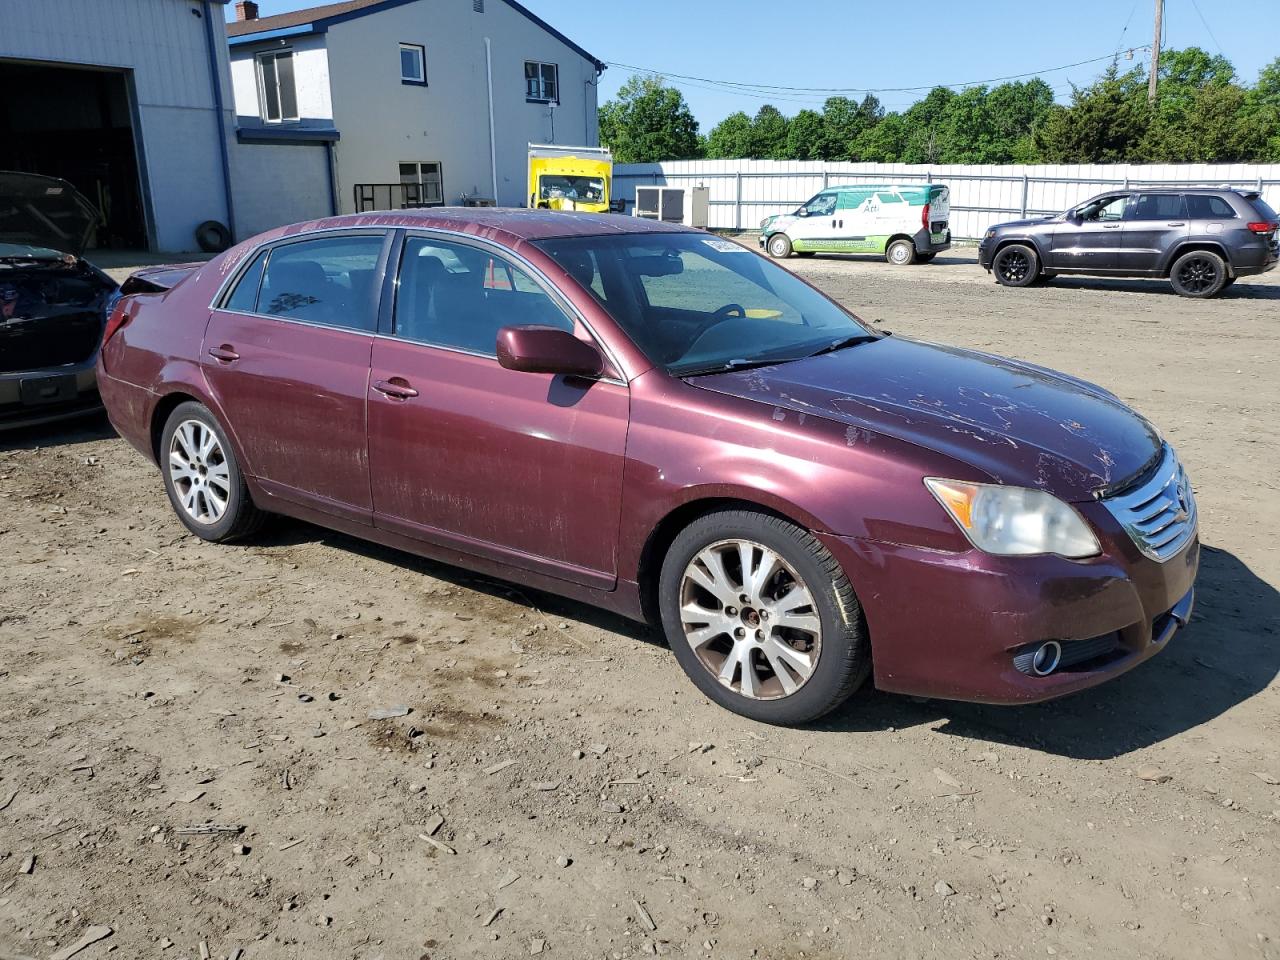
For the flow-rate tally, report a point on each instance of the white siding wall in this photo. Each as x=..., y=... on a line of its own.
x=310, y=70
x=384, y=122
x=980, y=195
x=163, y=43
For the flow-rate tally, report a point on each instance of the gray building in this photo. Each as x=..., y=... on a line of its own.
x=435, y=101
x=130, y=100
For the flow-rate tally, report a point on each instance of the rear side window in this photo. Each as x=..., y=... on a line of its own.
x=458, y=296
x=328, y=282
x=244, y=298
x=1202, y=207
x=1159, y=206
x=1263, y=208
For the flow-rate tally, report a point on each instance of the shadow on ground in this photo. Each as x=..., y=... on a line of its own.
x=85, y=428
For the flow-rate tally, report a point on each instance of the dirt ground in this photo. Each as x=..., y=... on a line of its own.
x=560, y=788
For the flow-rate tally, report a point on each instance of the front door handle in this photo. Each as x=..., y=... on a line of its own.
x=1179, y=223
x=396, y=388
x=225, y=353
x=1111, y=226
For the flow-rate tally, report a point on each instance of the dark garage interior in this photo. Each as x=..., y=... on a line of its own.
x=76, y=124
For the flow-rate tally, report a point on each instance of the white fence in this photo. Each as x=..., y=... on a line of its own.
x=744, y=192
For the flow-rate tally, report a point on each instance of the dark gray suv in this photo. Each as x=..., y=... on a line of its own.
x=1200, y=239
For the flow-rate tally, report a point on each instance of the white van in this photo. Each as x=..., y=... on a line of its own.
x=906, y=223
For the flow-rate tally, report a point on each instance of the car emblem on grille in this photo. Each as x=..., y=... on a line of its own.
x=1184, y=500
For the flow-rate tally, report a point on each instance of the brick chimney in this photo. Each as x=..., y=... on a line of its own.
x=246, y=10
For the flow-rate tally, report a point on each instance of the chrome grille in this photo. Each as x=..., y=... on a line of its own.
x=1160, y=515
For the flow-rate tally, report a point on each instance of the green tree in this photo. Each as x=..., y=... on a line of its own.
x=924, y=127
x=1017, y=110
x=1106, y=122
x=805, y=136
x=769, y=134
x=883, y=143
x=1260, y=117
x=730, y=139
x=844, y=122
x=648, y=122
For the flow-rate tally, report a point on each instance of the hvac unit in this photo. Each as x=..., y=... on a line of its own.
x=689, y=206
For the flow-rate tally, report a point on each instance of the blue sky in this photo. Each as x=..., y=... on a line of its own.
x=872, y=44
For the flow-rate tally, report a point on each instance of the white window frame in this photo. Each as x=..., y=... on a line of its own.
x=260, y=69
x=541, y=94
x=421, y=51
x=430, y=182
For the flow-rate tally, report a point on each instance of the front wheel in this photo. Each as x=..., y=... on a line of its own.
x=779, y=246
x=202, y=477
x=1200, y=274
x=901, y=253
x=762, y=618
x=1016, y=266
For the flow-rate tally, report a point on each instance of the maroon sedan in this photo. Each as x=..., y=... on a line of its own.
x=666, y=424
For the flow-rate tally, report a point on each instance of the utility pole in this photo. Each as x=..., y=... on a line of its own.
x=1155, y=55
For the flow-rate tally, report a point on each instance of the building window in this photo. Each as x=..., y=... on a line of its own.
x=541, y=82
x=413, y=64
x=276, y=88
x=423, y=184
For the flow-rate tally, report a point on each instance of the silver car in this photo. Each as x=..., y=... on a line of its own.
x=1200, y=239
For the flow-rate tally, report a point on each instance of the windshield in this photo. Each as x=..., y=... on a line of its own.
x=560, y=187
x=695, y=303
x=25, y=251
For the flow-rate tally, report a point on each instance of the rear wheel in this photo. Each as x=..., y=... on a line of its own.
x=901, y=253
x=1016, y=265
x=1200, y=274
x=779, y=246
x=762, y=618
x=202, y=477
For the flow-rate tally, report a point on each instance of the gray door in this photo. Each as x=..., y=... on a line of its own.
x=1092, y=242
x=1154, y=224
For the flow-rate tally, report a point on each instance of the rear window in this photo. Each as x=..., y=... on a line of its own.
x=328, y=282
x=1263, y=208
x=1202, y=207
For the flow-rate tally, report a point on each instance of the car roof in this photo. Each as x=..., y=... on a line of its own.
x=507, y=224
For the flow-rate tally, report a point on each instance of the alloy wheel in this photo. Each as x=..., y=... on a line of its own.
x=1197, y=274
x=751, y=620
x=1014, y=266
x=199, y=472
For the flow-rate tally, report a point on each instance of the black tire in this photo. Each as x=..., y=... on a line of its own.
x=779, y=246
x=213, y=237
x=239, y=517
x=844, y=652
x=1016, y=265
x=1200, y=274
x=925, y=257
x=900, y=253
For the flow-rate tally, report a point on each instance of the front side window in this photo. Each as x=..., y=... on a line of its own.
x=541, y=82
x=1159, y=206
x=1105, y=210
x=327, y=281
x=424, y=183
x=823, y=205
x=695, y=304
x=413, y=63
x=277, y=90
x=458, y=296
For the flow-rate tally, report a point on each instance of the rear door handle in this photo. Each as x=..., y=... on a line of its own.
x=396, y=388
x=1111, y=226
x=226, y=353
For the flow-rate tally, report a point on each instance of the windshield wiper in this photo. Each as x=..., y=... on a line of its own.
x=727, y=366
x=843, y=342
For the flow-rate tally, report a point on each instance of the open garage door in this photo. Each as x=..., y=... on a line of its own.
x=77, y=124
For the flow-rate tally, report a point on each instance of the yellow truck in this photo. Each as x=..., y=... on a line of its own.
x=571, y=178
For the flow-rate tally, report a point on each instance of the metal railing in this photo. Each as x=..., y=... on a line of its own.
x=396, y=196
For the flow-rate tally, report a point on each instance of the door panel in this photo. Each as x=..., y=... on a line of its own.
x=295, y=399
x=1154, y=224
x=1092, y=244
x=522, y=467
x=817, y=229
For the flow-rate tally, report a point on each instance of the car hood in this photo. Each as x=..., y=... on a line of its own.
x=1023, y=224
x=1018, y=423
x=39, y=211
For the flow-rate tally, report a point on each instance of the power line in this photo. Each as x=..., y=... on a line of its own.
x=1208, y=28
x=756, y=88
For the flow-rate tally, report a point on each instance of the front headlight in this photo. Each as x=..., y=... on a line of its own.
x=1014, y=521
x=991, y=233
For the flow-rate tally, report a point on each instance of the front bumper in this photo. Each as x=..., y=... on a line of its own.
x=949, y=625
x=34, y=397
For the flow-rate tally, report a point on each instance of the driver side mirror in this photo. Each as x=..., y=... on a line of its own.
x=533, y=348
x=802, y=212
x=1076, y=217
